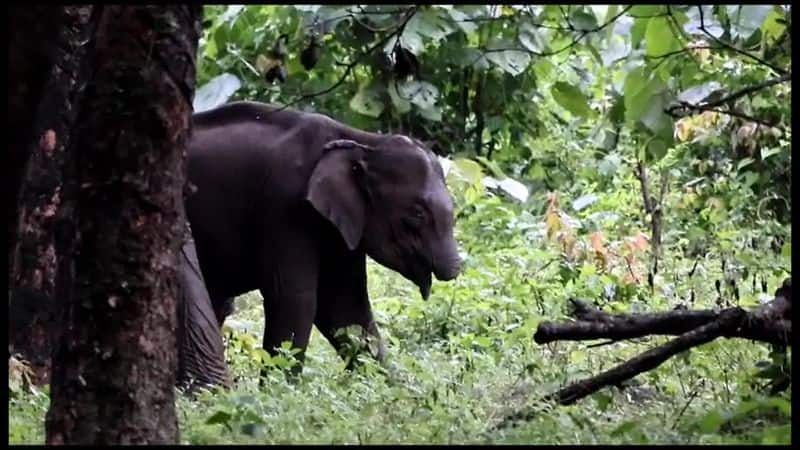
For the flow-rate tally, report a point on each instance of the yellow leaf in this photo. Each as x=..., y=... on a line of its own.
x=683, y=130
x=553, y=224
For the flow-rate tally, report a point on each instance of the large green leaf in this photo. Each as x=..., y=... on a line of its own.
x=367, y=101
x=646, y=10
x=428, y=23
x=749, y=19
x=420, y=93
x=638, y=30
x=656, y=149
x=462, y=20
x=695, y=94
x=467, y=169
x=530, y=38
x=772, y=28
x=512, y=61
x=571, y=98
x=659, y=37
x=433, y=113
x=617, y=112
x=583, y=20
x=635, y=82
x=401, y=105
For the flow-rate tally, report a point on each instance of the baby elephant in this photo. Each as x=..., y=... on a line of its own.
x=291, y=203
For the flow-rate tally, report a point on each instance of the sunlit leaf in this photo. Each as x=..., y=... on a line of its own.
x=751, y=18
x=421, y=93
x=367, y=101
x=511, y=61
x=469, y=169
x=571, y=99
x=696, y=94
x=660, y=37
x=583, y=201
x=529, y=38
x=773, y=28
x=216, y=92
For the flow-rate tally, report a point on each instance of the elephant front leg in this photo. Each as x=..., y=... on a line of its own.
x=289, y=318
x=343, y=303
x=369, y=340
x=290, y=300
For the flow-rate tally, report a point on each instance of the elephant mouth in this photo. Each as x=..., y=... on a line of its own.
x=424, y=283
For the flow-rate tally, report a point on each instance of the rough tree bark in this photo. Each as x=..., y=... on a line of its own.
x=31, y=31
x=119, y=232
x=34, y=260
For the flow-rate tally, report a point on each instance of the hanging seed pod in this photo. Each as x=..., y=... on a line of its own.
x=310, y=55
x=277, y=72
x=405, y=63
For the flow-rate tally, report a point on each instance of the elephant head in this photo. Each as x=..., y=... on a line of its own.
x=390, y=201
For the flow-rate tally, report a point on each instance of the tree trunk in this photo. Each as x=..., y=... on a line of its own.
x=120, y=231
x=34, y=260
x=30, y=41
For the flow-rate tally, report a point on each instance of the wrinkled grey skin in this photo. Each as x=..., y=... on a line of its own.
x=201, y=353
x=291, y=203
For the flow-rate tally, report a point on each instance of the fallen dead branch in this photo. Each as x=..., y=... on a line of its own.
x=771, y=323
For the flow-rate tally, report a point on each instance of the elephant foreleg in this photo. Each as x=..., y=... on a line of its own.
x=344, y=302
x=349, y=348
x=290, y=297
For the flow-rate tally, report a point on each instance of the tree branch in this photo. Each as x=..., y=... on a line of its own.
x=683, y=50
x=684, y=108
x=770, y=323
x=574, y=42
x=730, y=46
x=349, y=67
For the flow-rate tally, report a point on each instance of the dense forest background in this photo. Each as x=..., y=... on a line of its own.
x=636, y=157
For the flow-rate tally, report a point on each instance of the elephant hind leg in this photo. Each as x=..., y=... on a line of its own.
x=201, y=354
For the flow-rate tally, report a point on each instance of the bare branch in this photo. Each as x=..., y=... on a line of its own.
x=683, y=108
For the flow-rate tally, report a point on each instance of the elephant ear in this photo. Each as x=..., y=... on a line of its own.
x=334, y=190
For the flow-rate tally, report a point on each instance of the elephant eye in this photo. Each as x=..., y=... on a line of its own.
x=419, y=214
x=416, y=216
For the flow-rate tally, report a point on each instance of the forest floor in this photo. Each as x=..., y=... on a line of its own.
x=465, y=359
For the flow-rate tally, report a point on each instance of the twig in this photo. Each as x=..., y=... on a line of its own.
x=683, y=50
x=692, y=396
x=641, y=174
x=734, y=48
x=734, y=95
